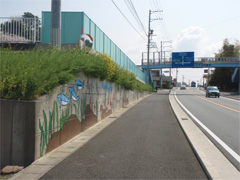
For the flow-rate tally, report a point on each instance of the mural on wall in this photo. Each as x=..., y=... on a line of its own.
x=76, y=109
x=61, y=119
x=73, y=94
x=79, y=84
x=51, y=124
x=63, y=100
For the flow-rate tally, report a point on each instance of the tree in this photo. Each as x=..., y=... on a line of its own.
x=222, y=76
x=28, y=15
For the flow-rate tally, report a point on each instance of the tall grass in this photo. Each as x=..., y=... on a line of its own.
x=29, y=74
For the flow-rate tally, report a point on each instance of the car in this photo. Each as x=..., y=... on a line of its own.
x=182, y=87
x=212, y=91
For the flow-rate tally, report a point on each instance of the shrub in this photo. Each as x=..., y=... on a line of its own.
x=29, y=74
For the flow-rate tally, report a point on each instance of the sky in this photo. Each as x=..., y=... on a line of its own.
x=190, y=25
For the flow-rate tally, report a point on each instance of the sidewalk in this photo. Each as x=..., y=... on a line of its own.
x=146, y=142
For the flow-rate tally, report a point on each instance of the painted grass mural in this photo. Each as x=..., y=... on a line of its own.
x=84, y=104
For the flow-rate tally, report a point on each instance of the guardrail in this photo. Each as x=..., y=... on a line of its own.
x=20, y=30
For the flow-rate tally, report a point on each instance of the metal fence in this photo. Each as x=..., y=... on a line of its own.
x=20, y=30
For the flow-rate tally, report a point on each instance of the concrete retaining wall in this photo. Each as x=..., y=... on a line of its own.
x=17, y=131
x=30, y=129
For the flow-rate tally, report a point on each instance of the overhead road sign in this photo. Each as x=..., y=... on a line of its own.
x=182, y=59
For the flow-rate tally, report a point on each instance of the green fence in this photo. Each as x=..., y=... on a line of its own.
x=74, y=23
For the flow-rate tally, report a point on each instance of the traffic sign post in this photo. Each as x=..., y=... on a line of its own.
x=182, y=59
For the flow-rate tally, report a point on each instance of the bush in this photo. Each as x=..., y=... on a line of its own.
x=29, y=74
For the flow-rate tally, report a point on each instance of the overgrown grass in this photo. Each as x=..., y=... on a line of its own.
x=29, y=74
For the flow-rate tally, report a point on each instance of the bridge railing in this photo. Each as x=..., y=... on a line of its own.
x=197, y=60
x=157, y=61
x=20, y=30
x=217, y=60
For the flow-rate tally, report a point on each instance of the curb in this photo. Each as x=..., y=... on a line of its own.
x=215, y=164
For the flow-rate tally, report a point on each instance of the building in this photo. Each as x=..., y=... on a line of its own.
x=158, y=79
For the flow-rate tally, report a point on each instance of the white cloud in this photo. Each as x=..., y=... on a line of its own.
x=196, y=39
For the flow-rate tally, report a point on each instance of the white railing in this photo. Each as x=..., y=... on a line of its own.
x=197, y=60
x=20, y=30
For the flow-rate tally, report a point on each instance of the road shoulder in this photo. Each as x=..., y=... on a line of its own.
x=213, y=161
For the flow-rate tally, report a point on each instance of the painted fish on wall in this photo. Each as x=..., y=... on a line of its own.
x=73, y=94
x=79, y=84
x=63, y=100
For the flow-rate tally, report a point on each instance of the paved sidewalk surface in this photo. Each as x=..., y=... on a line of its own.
x=146, y=142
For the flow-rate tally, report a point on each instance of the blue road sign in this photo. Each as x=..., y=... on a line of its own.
x=182, y=59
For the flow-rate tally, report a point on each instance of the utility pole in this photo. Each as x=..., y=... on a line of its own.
x=170, y=83
x=161, y=44
x=150, y=32
x=208, y=77
x=148, y=48
x=176, y=77
x=56, y=24
x=161, y=69
x=161, y=50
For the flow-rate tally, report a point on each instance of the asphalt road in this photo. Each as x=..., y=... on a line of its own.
x=146, y=142
x=220, y=115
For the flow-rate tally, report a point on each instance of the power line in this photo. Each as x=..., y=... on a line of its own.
x=127, y=20
x=162, y=24
x=133, y=13
x=132, y=9
x=223, y=21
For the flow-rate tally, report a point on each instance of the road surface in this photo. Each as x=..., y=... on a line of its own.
x=220, y=115
x=144, y=143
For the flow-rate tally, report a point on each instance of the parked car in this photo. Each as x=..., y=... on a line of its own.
x=212, y=91
x=182, y=87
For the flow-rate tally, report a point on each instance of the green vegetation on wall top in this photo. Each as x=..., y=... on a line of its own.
x=29, y=74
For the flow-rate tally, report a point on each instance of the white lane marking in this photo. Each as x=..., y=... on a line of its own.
x=235, y=100
x=225, y=146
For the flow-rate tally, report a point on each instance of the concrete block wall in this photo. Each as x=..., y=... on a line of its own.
x=53, y=119
x=17, y=129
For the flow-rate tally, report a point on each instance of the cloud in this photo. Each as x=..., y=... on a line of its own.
x=192, y=33
x=209, y=49
x=196, y=39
